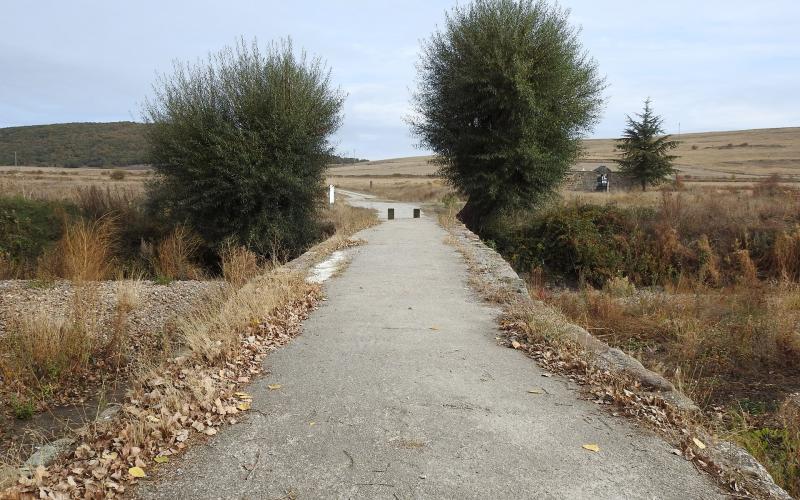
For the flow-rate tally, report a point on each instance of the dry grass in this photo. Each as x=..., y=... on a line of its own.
x=722, y=155
x=733, y=350
x=40, y=349
x=43, y=351
x=212, y=329
x=175, y=255
x=411, y=166
x=346, y=220
x=239, y=265
x=96, y=202
x=85, y=252
x=420, y=189
x=52, y=183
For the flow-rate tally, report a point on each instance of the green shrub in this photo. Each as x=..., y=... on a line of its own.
x=117, y=175
x=27, y=229
x=778, y=450
x=579, y=242
x=23, y=408
x=240, y=144
x=711, y=240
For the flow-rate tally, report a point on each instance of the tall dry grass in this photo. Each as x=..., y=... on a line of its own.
x=86, y=251
x=345, y=220
x=239, y=265
x=43, y=348
x=733, y=350
x=47, y=349
x=212, y=330
x=175, y=255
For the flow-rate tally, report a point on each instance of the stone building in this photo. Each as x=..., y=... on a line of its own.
x=591, y=180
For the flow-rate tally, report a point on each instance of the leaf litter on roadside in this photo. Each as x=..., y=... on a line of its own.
x=161, y=413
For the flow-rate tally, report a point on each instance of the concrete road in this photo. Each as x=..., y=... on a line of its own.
x=397, y=389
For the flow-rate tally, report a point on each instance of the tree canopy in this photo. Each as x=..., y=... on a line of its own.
x=505, y=93
x=240, y=143
x=645, y=149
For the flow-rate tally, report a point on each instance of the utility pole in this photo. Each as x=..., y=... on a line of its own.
x=15, y=158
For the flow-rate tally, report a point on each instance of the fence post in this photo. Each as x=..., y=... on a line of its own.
x=390, y=215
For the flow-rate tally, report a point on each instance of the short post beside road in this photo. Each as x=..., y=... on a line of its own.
x=416, y=213
x=390, y=214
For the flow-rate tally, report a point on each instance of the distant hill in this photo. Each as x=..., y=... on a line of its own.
x=723, y=156
x=75, y=145
x=345, y=160
x=115, y=144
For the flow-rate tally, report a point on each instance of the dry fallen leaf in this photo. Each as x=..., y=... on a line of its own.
x=161, y=459
x=699, y=443
x=243, y=406
x=435, y=328
x=136, y=472
x=535, y=391
x=274, y=387
x=243, y=395
x=515, y=344
x=591, y=447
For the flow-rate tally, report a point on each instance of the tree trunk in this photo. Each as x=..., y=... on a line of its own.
x=644, y=186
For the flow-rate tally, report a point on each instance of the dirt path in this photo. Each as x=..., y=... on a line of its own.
x=398, y=389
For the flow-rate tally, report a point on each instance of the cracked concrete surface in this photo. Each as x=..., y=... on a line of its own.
x=397, y=389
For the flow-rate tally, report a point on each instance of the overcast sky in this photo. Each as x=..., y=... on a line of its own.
x=707, y=64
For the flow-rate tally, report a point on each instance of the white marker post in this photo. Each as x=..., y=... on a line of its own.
x=331, y=194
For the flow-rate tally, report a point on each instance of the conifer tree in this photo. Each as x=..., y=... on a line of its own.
x=645, y=149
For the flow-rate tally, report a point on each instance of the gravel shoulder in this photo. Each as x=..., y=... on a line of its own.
x=155, y=303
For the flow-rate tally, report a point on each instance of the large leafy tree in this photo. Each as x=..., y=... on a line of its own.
x=240, y=143
x=645, y=149
x=505, y=94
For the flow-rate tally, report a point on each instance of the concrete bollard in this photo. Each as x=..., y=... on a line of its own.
x=416, y=213
x=390, y=215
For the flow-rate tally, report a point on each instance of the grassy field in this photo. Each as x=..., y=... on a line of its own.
x=744, y=154
x=711, y=156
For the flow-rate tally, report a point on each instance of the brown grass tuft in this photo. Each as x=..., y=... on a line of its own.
x=212, y=330
x=175, y=255
x=239, y=265
x=786, y=255
x=86, y=251
x=41, y=349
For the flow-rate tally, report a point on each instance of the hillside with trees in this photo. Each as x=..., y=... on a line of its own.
x=113, y=144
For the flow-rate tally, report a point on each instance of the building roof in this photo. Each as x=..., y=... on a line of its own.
x=602, y=169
